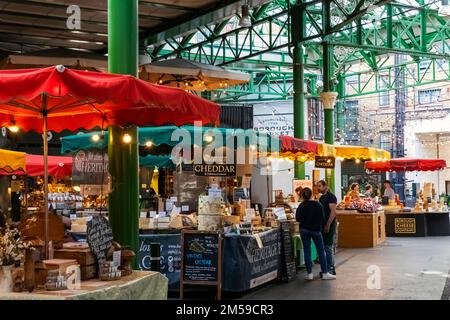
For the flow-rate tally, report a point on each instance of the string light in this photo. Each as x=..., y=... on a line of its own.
x=13, y=128
x=95, y=138
x=148, y=144
x=126, y=138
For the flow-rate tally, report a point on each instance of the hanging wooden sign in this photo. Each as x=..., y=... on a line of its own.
x=325, y=162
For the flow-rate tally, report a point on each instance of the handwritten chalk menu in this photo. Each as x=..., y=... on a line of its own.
x=288, y=258
x=99, y=237
x=201, y=259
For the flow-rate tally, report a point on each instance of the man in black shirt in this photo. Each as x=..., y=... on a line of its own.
x=329, y=202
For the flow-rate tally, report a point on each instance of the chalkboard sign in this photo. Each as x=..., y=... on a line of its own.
x=201, y=259
x=99, y=237
x=288, y=258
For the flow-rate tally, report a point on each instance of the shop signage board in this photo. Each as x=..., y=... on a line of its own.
x=406, y=224
x=216, y=170
x=288, y=258
x=201, y=260
x=301, y=183
x=99, y=237
x=90, y=168
x=325, y=162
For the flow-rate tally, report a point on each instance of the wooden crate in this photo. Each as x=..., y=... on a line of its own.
x=85, y=258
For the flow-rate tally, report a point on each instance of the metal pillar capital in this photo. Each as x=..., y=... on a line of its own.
x=328, y=99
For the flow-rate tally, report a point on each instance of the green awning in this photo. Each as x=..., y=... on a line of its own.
x=172, y=135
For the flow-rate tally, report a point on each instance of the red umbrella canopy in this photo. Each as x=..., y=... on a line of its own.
x=58, y=167
x=404, y=164
x=295, y=145
x=74, y=99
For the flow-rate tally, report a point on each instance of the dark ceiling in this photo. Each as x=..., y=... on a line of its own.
x=29, y=25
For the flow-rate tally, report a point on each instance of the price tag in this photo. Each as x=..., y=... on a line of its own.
x=73, y=216
x=162, y=214
x=184, y=208
x=174, y=199
x=152, y=214
x=117, y=255
x=143, y=214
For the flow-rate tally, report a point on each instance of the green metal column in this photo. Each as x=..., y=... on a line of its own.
x=124, y=157
x=297, y=29
x=327, y=83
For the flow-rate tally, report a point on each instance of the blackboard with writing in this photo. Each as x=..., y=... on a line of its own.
x=99, y=237
x=200, y=257
x=288, y=258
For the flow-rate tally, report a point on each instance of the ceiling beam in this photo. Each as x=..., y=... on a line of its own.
x=210, y=15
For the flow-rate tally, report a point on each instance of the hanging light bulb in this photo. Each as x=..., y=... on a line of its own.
x=245, y=18
x=126, y=138
x=13, y=128
x=208, y=138
x=95, y=137
x=357, y=161
x=148, y=144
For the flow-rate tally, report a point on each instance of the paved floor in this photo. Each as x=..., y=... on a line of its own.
x=409, y=268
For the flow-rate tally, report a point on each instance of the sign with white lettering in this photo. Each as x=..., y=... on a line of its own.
x=218, y=170
x=90, y=168
x=99, y=237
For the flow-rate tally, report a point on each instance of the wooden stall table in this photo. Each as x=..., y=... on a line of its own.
x=360, y=230
x=141, y=285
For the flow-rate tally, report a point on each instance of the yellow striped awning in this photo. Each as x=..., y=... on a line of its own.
x=363, y=153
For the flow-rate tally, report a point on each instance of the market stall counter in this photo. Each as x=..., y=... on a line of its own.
x=361, y=229
x=417, y=224
x=140, y=285
x=248, y=260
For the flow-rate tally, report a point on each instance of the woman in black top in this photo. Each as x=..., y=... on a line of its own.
x=311, y=217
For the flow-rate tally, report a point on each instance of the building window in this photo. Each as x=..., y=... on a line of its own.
x=386, y=140
x=315, y=117
x=383, y=85
x=351, y=114
x=429, y=96
x=351, y=85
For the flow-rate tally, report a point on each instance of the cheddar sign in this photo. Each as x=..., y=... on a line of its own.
x=215, y=170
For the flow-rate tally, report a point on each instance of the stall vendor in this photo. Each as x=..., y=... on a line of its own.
x=388, y=191
x=353, y=193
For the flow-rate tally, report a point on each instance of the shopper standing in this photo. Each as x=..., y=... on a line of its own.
x=329, y=202
x=310, y=215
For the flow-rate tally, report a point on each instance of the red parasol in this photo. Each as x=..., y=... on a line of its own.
x=295, y=145
x=58, y=167
x=57, y=98
x=404, y=164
